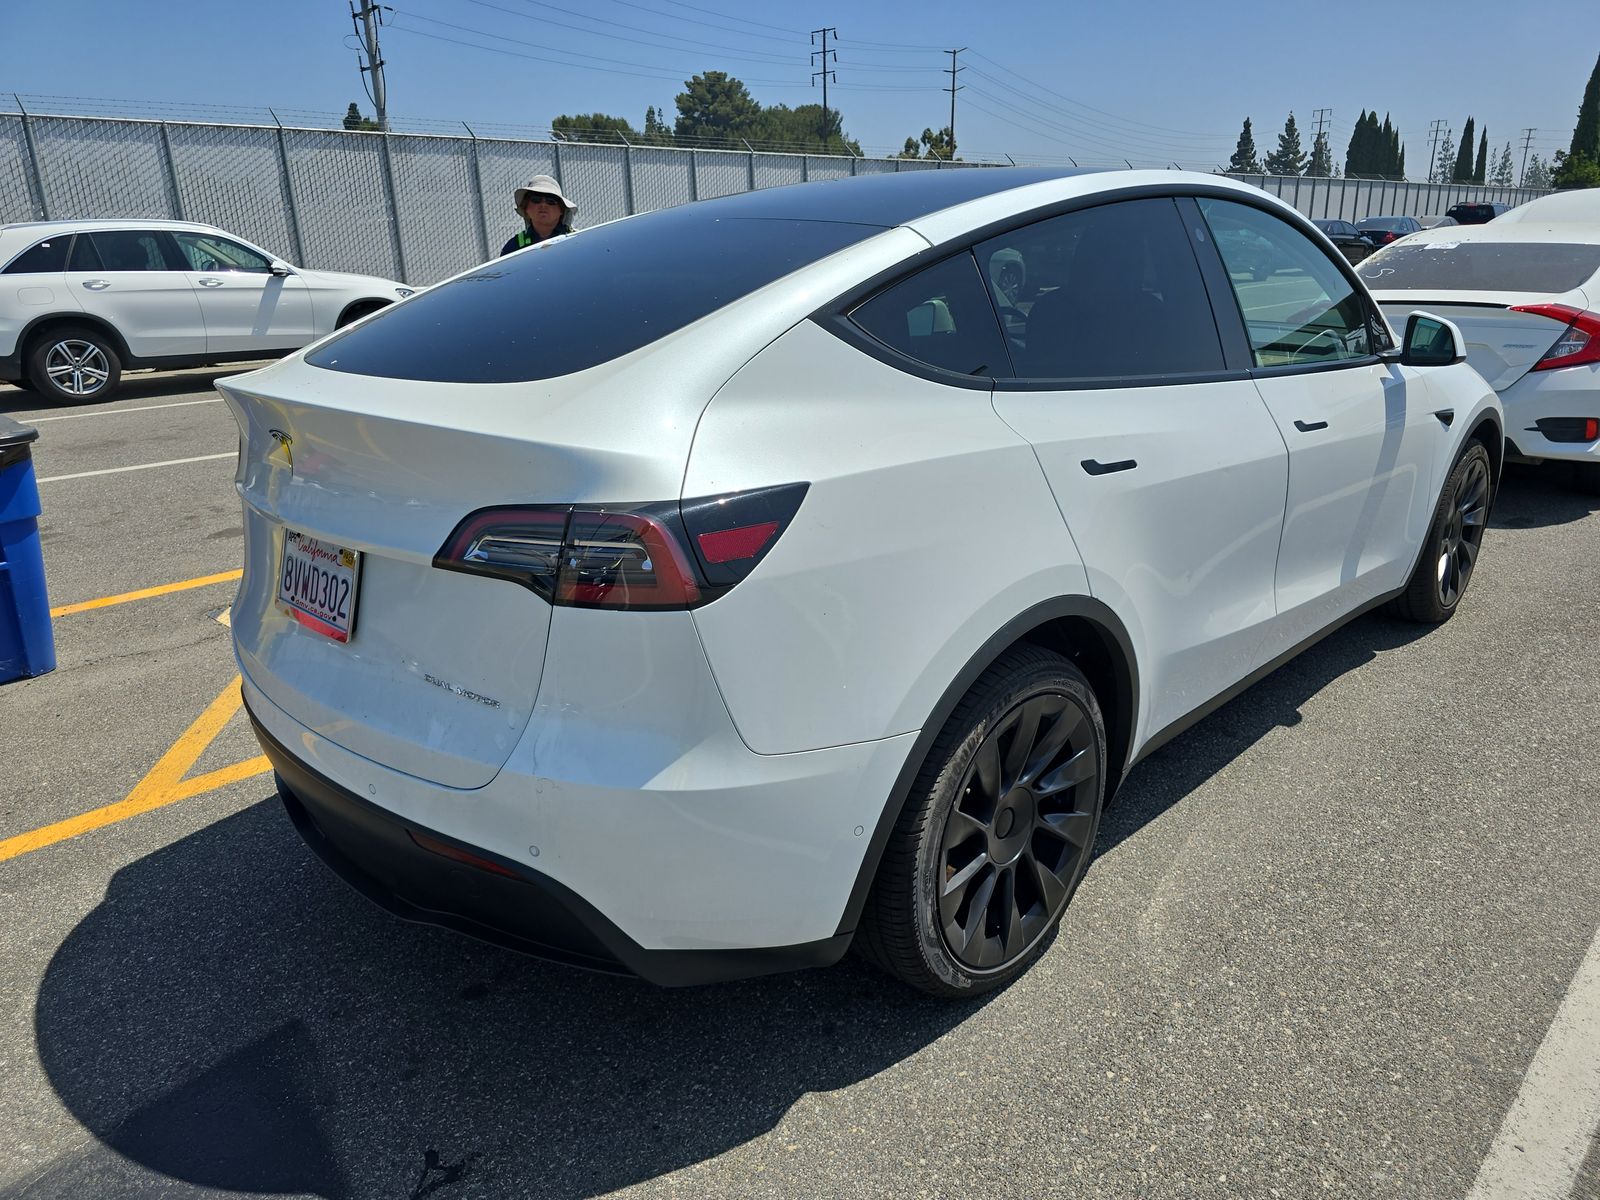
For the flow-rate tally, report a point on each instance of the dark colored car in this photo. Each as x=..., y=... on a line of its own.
x=1383, y=230
x=1436, y=222
x=1352, y=243
x=1477, y=213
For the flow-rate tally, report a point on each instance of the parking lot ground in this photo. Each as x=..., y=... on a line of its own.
x=1327, y=934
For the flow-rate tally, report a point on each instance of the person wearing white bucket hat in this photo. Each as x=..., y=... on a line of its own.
x=545, y=210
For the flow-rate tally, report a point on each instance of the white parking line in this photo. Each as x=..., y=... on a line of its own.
x=171, y=462
x=1548, y=1133
x=111, y=412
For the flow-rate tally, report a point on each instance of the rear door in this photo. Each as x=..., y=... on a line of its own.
x=132, y=279
x=1361, y=433
x=1166, y=465
x=246, y=306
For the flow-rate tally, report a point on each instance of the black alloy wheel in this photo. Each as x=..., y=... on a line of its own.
x=996, y=833
x=1455, y=538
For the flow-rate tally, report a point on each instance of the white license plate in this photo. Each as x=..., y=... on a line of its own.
x=317, y=584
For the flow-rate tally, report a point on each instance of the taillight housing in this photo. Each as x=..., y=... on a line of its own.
x=1578, y=344
x=651, y=557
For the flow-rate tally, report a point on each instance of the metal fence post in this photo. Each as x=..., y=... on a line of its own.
x=694, y=176
x=479, y=222
x=36, y=172
x=394, y=204
x=627, y=179
x=805, y=168
x=173, y=194
x=555, y=154
x=290, y=210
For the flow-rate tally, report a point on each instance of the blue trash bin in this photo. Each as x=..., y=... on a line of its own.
x=27, y=644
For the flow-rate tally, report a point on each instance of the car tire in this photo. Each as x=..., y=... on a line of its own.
x=74, y=363
x=1455, y=537
x=996, y=833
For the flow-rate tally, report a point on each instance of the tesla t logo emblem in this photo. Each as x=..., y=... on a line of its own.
x=284, y=446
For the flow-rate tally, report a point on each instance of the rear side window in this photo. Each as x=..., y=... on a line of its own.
x=1106, y=292
x=130, y=250
x=1482, y=266
x=939, y=316
x=84, y=256
x=574, y=302
x=1299, y=309
x=46, y=256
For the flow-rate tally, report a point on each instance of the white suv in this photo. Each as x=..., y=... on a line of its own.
x=83, y=301
x=704, y=591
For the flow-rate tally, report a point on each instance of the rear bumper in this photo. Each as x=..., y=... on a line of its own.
x=378, y=854
x=1569, y=392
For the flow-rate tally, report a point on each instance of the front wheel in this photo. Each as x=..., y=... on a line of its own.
x=73, y=364
x=1454, y=538
x=996, y=833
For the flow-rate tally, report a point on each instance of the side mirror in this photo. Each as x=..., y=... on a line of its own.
x=1429, y=342
x=280, y=268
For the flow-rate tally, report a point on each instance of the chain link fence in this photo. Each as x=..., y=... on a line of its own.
x=419, y=208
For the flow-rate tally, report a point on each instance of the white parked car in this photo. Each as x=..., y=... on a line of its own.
x=705, y=592
x=83, y=301
x=1525, y=291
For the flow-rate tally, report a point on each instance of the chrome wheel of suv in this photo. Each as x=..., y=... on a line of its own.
x=74, y=363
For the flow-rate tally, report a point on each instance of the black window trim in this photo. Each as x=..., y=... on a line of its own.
x=834, y=316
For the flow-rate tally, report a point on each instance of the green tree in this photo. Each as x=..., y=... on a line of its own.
x=1536, y=174
x=1244, y=161
x=1504, y=172
x=1574, y=171
x=353, y=120
x=1288, y=158
x=1480, y=169
x=807, y=127
x=1445, y=164
x=1586, y=135
x=1461, y=170
x=715, y=105
x=1355, y=155
x=934, y=143
x=594, y=127
x=656, y=130
x=1321, y=164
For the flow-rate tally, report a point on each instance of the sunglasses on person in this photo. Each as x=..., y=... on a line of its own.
x=542, y=198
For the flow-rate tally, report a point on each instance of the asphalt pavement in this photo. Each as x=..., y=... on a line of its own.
x=1326, y=932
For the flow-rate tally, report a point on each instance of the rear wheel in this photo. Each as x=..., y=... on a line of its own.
x=996, y=833
x=74, y=363
x=1454, y=538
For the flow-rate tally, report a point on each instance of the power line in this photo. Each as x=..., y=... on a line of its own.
x=1090, y=107
x=1202, y=145
x=1114, y=139
x=725, y=16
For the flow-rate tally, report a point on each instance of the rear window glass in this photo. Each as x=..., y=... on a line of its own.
x=46, y=256
x=574, y=302
x=1382, y=223
x=1482, y=266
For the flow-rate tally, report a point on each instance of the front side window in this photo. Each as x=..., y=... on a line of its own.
x=1298, y=307
x=1103, y=293
x=46, y=256
x=207, y=252
x=128, y=250
x=939, y=316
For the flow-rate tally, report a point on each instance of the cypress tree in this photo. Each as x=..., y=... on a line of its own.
x=1400, y=165
x=1462, y=171
x=1385, y=164
x=1353, y=153
x=1244, y=160
x=1586, y=136
x=1481, y=169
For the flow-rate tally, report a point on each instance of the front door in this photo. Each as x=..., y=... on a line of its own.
x=129, y=278
x=246, y=306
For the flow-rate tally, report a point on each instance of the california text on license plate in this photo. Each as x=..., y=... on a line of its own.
x=317, y=585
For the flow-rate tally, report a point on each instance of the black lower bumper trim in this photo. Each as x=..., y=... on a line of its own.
x=372, y=849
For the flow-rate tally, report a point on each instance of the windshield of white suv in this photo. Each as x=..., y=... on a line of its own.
x=1548, y=267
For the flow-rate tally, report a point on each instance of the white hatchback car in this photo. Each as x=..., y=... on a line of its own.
x=707, y=590
x=1525, y=292
x=83, y=301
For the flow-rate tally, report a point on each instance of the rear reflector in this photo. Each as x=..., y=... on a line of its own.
x=1578, y=344
x=1569, y=429
x=646, y=557
x=446, y=850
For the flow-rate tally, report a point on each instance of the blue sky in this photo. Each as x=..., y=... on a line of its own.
x=1155, y=82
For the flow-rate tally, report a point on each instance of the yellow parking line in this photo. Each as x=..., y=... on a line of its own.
x=66, y=610
x=163, y=784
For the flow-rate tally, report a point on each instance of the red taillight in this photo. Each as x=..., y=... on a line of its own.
x=1578, y=344
x=651, y=557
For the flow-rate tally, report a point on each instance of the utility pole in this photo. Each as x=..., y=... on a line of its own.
x=1434, y=131
x=953, y=90
x=1527, y=141
x=1322, y=116
x=367, y=19
x=825, y=73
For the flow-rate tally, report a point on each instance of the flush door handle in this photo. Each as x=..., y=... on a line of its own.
x=1095, y=467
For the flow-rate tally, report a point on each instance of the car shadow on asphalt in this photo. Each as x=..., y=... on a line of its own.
x=233, y=1018
x=157, y=385
x=1532, y=497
